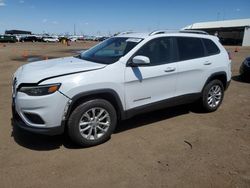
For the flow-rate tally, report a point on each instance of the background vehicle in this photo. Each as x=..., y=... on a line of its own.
x=8, y=38
x=81, y=38
x=62, y=38
x=99, y=38
x=245, y=69
x=31, y=38
x=50, y=39
x=102, y=38
x=18, y=37
x=89, y=38
x=73, y=39
x=119, y=78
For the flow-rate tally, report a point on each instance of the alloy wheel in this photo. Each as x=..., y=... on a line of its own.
x=214, y=96
x=94, y=123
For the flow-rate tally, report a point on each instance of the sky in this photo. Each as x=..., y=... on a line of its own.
x=97, y=17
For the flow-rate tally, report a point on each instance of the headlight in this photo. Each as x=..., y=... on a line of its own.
x=40, y=90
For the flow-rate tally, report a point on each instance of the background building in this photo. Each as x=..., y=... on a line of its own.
x=230, y=32
x=17, y=32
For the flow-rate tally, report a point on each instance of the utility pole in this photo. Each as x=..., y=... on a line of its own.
x=218, y=16
x=74, y=29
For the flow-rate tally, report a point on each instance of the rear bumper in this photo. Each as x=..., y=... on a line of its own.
x=18, y=122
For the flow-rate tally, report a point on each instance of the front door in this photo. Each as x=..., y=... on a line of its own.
x=153, y=82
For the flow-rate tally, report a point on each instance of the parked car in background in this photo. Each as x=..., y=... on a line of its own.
x=89, y=38
x=81, y=38
x=245, y=69
x=8, y=38
x=73, y=39
x=31, y=38
x=102, y=38
x=62, y=38
x=18, y=37
x=50, y=39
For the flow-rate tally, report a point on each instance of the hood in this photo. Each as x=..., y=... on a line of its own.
x=39, y=70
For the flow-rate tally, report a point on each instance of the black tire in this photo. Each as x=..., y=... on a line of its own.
x=205, y=94
x=244, y=77
x=76, y=115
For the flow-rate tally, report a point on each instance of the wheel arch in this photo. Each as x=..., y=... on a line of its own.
x=107, y=94
x=222, y=76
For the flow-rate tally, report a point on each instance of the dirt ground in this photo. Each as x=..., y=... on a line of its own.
x=175, y=147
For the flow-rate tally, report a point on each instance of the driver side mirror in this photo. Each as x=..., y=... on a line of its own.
x=140, y=60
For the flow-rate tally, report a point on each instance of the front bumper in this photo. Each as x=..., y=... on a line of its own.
x=18, y=122
x=39, y=114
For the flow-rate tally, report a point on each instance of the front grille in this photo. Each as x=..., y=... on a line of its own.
x=34, y=118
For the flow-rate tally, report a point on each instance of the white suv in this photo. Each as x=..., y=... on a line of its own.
x=117, y=79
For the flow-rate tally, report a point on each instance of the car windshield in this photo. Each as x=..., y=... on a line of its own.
x=111, y=50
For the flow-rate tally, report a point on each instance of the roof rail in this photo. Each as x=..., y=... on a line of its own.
x=178, y=31
x=194, y=31
x=125, y=32
x=162, y=32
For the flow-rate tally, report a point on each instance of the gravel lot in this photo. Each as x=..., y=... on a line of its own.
x=175, y=147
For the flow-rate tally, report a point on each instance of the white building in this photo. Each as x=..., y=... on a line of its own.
x=230, y=32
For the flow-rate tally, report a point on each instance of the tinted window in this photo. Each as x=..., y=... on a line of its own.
x=159, y=51
x=210, y=47
x=190, y=48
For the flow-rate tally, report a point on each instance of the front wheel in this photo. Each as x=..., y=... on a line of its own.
x=212, y=95
x=92, y=122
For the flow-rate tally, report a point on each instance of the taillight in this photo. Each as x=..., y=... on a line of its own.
x=229, y=55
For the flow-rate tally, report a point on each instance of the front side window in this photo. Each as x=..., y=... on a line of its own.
x=159, y=51
x=190, y=48
x=110, y=50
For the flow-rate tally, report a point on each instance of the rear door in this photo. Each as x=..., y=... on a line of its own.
x=153, y=82
x=193, y=66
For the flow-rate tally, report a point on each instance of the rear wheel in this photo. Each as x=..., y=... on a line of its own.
x=92, y=122
x=212, y=95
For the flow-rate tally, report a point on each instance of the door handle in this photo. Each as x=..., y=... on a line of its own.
x=169, y=69
x=207, y=63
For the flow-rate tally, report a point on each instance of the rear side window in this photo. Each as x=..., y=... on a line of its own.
x=190, y=48
x=211, y=47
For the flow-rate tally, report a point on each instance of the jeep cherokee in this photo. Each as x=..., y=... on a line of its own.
x=118, y=78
